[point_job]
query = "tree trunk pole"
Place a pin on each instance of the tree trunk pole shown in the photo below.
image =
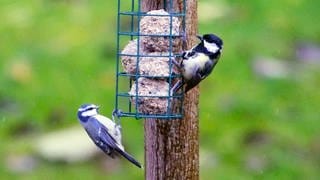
(172, 146)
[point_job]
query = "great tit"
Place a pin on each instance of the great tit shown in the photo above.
(198, 62)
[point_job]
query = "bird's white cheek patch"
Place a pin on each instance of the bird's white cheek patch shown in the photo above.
(89, 113)
(211, 47)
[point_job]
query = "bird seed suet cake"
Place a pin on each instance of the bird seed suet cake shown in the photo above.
(154, 62)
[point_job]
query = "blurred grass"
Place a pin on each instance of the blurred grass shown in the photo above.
(56, 55)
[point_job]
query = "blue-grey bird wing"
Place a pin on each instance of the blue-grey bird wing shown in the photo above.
(106, 142)
(101, 137)
(111, 143)
(99, 134)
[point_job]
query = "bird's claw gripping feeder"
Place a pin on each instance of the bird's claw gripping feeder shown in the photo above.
(147, 44)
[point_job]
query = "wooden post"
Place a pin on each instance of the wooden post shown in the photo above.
(172, 146)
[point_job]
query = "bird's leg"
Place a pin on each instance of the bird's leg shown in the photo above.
(176, 87)
(118, 127)
(173, 60)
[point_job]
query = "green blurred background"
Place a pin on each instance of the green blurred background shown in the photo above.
(254, 123)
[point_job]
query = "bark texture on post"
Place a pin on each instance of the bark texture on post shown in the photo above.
(172, 146)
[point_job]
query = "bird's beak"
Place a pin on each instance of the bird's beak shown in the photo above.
(97, 107)
(199, 37)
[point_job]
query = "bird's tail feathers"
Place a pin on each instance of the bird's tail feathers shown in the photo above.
(130, 158)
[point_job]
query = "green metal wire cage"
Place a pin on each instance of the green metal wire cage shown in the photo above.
(147, 42)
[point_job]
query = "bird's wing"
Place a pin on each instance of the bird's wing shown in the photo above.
(101, 136)
(200, 74)
(194, 80)
(106, 138)
(108, 144)
(102, 145)
(208, 67)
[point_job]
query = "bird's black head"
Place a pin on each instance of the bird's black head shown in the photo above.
(211, 38)
(210, 44)
(86, 111)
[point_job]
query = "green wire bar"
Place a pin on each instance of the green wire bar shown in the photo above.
(147, 44)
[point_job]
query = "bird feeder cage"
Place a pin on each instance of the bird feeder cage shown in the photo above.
(147, 44)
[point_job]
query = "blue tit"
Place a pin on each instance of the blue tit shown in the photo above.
(103, 132)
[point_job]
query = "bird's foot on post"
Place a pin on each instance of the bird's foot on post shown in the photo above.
(176, 87)
(173, 60)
